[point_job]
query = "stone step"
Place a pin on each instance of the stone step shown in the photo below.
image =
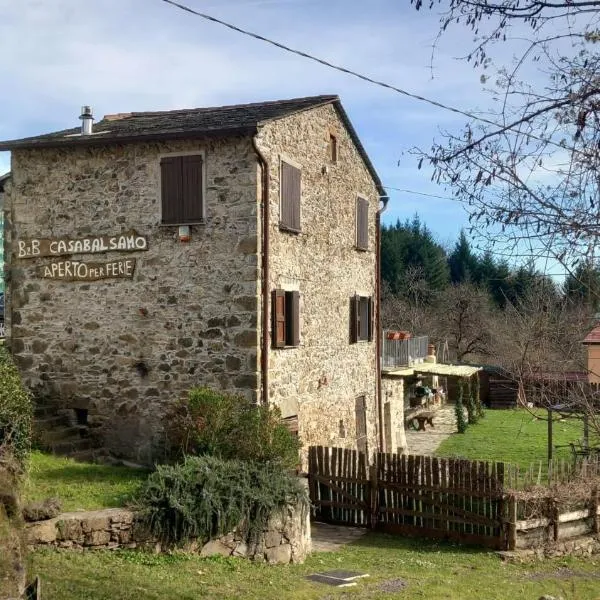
(68, 447)
(46, 423)
(41, 411)
(59, 434)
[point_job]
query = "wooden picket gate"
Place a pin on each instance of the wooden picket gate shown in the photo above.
(411, 495)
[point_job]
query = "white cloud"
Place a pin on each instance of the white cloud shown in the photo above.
(123, 55)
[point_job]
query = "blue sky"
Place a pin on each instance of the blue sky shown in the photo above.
(133, 55)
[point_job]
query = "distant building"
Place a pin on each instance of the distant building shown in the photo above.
(234, 247)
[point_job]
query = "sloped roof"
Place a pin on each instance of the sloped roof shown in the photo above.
(239, 119)
(593, 337)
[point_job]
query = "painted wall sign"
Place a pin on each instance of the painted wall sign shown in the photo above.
(128, 242)
(71, 270)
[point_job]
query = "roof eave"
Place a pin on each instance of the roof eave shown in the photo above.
(103, 140)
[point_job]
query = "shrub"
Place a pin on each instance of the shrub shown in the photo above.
(232, 427)
(15, 411)
(205, 496)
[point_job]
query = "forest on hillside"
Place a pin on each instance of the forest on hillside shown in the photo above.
(482, 309)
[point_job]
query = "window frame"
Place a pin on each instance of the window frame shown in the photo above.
(202, 154)
(357, 241)
(333, 148)
(284, 226)
(362, 308)
(290, 319)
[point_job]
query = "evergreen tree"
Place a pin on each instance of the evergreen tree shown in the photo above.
(462, 261)
(583, 285)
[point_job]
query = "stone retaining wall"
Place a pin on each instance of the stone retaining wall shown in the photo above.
(286, 538)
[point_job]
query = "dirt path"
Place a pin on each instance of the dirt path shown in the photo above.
(426, 442)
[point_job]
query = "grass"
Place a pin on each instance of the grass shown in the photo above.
(79, 486)
(431, 571)
(512, 436)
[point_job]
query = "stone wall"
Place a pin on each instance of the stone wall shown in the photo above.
(392, 392)
(320, 380)
(286, 539)
(126, 348)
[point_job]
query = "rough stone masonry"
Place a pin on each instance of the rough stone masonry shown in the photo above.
(172, 315)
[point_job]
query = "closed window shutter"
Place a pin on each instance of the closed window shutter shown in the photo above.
(363, 332)
(371, 319)
(278, 311)
(295, 319)
(192, 189)
(362, 224)
(354, 319)
(361, 423)
(171, 188)
(290, 197)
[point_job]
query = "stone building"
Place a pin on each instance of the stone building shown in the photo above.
(232, 247)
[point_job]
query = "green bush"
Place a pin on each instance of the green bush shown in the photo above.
(232, 427)
(15, 411)
(205, 496)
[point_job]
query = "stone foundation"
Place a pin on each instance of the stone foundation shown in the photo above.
(286, 538)
(584, 546)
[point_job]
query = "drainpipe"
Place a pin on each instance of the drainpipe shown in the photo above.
(264, 355)
(384, 200)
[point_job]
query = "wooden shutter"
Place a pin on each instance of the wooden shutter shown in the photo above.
(294, 322)
(363, 329)
(371, 319)
(360, 409)
(333, 152)
(290, 197)
(278, 313)
(191, 175)
(362, 224)
(171, 189)
(354, 319)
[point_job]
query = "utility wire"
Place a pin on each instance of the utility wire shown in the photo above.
(356, 74)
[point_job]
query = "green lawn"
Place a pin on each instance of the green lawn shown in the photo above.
(512, 436)
(79, 485)
(431, 571)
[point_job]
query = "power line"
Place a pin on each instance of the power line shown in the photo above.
(355, 73)
(387, 187)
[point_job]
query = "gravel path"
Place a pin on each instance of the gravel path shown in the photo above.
(426, 442)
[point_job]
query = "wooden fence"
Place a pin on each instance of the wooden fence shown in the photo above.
(411, 495)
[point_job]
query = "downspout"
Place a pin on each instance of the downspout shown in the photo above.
(264, 355)
(384, 200)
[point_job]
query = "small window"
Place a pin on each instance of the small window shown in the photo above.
(286, 319)
(362, 224)
(333, 148)
(181, 189)
(290, 197)
(361, 319)
(360, 410)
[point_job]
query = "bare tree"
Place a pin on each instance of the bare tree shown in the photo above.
(528, 168)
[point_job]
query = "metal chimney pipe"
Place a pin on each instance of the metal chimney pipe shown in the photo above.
(86, 120)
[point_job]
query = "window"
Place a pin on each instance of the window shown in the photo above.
(333, 149)
(286, 319)
(361, 319)
(360, 411)
(362, 224)
(181, 189)
(290, 197)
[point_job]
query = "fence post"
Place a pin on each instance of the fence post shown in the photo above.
(373, 499)
(511, 540)
(594, 511)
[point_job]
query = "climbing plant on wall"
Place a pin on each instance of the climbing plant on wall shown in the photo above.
(461, 422)
(478, 405)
